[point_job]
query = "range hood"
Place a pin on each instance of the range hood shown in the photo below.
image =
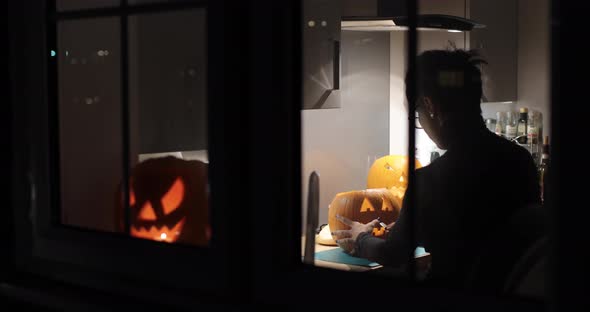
(391, 15)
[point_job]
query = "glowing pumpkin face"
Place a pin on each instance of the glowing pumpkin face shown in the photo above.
(364, 206)
(168, 201)
(148, 213)
(389, 172)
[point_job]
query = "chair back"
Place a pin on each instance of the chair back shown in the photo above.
(499, 265)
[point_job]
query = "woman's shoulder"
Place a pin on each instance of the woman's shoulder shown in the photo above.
(502, 147)
(437, 165)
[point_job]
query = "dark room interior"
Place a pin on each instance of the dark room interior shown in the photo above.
(189, 155)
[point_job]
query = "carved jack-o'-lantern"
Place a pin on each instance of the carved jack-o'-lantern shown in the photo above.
(390, 171)
(168, 201)
(364, 206)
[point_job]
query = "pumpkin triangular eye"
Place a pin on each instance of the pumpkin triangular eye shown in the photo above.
(386, 205)
(173, 198)
(147, 212)
(367, 206)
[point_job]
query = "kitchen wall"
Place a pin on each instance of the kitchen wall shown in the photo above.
(337, 143)
(533, 62)
(398, 113)
(533, 57)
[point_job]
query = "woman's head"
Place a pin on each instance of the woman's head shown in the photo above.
(448, 84)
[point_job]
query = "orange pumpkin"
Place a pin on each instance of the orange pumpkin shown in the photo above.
(168, 201)
(390, 171)
(364, 206)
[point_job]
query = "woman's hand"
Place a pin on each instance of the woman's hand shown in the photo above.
(347, 238)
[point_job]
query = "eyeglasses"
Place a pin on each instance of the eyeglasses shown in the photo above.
(417, 125)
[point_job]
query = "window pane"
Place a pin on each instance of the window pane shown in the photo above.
(90, 141)
(168, 126)
(168, 198)
(349, 146)
(65, 5)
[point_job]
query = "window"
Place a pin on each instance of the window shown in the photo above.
(119, 160)
(365, 151)
(162, 126)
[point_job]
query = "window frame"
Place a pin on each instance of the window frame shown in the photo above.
(113, 261)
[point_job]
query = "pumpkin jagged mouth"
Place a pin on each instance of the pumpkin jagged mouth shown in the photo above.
(163, 234)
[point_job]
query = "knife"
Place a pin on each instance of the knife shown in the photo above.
(313, 203)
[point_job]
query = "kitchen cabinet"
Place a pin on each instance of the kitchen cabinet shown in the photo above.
(321, 54)
(428, 40)
(497, 43)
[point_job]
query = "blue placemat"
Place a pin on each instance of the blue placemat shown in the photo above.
(339, 256)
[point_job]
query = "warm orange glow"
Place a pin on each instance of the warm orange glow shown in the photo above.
(379, 232)
(389, 171)
(147, 212)
(367, 206)
(386, 206)
(168, 200)
(173, 198)
(131, 198)
(364, 206)
(398, 192)
(163, 234)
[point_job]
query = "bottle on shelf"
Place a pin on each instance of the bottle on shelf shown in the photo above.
(543, 168)
(500, 123)
(521, 126)
(534, 128)
(511, 121)
(491, 124)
